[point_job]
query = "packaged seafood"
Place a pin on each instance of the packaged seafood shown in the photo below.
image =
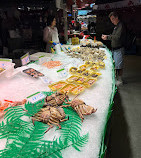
(94, 68)
(102, 65)
(79, 72)
(56, 86)
(88, 63)
(73, 70)
(86, 73)
(94, 63)
(72, 78)
(81, 79)
(67, 88)
(83, 67)
(33, 73)
(95, 74)
(52, 64)
(78, 89)
(90, 82)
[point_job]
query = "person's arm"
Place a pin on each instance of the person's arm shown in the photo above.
(57, 34)
(117, 34)
(46, 37)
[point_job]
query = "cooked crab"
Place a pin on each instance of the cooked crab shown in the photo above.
(80, 107)
(56, 99)
(50, 115)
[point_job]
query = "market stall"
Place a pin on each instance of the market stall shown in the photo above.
(21, 137)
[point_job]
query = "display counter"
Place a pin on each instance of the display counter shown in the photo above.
(92, 129)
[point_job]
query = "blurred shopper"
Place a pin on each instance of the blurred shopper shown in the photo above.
(50, 34)
(117, 38)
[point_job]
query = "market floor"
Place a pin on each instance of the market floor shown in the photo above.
(125, 137)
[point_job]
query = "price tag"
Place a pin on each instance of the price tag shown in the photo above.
(36, 97)
(4, 63)
(5, 60)
(46, 80)
(42, 59)
(62, 73)
(25, 59)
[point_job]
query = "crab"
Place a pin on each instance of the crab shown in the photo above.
(56, 99)
(50, 115)
(80, 107)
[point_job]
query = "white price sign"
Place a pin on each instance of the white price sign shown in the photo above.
(36, 97)
(45, 79)
(25, 59)
(42, 60)
(62, 73)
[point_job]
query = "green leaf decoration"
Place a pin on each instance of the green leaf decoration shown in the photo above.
(33, 108)
(14, 113)
(51, 150)
(13, 129)
(80, 141)
(71, 127)
(25, 145)
(26, 140)
(114, 90)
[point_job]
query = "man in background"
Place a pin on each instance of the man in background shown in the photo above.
(117, 39)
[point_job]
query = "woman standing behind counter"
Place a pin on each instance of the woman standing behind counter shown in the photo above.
(50, 34)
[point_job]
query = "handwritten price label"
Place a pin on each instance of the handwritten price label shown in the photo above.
(36, 97)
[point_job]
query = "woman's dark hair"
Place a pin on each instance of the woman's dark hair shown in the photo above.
(50, 20)
(115, 14)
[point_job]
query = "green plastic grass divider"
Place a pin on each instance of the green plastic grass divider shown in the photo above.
(114, 89)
